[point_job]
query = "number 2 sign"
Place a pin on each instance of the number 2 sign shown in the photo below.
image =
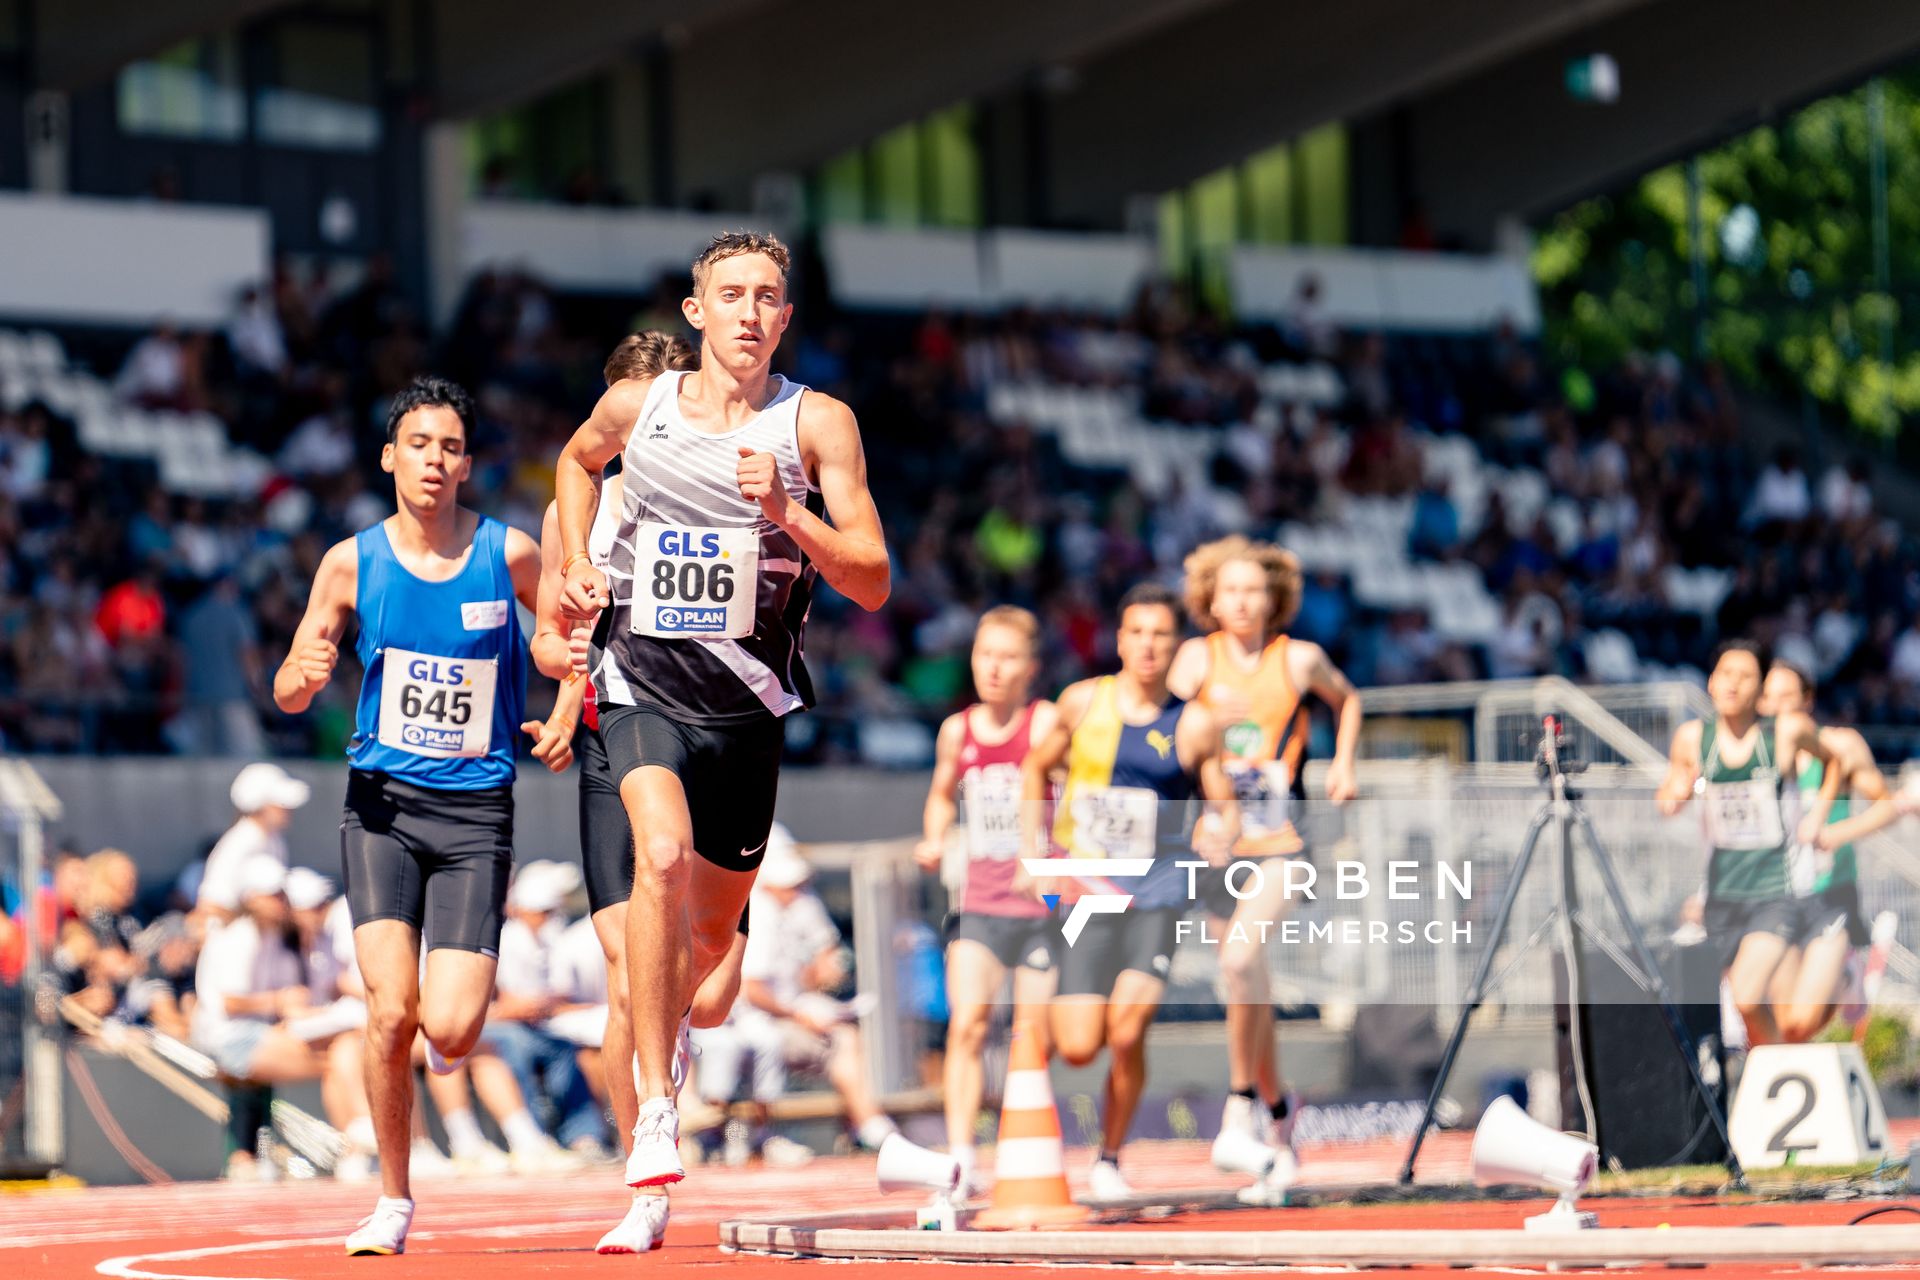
(1807, 1104)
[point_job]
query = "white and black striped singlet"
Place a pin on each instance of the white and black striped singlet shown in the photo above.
(675, 475)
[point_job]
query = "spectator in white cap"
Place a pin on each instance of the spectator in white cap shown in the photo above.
(546, 1065)
(253, 996)
(793, 959)
(265, 796)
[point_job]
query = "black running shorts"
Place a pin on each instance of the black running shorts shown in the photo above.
(1142, 941)
(1024, 942)
(730, 774)
(606, 839)
(439, 860)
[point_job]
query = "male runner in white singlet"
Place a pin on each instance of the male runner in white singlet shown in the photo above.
(699, 612)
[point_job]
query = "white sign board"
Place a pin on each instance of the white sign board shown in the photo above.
(1807, 1104)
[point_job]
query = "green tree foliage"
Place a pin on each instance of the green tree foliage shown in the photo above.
(1787, 222)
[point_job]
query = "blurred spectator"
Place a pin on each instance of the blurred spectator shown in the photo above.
(251, 992)
(793, 960)
(544, 1064)
(259, 347)
(1782, 495)
(265, 796)
(155, 373)
(1846, 493)
(1904, 663)
(224, 673)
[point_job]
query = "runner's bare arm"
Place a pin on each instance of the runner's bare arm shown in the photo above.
(1864, 777)
(1199, 743)
(523, 566)
(1189, 671)
(851, 552)
(576, 490)
(1046, 753)
(1797, 732)
(549, 643)
(316, 641)
(1683, 767)
(1331, 686)
(936, 819)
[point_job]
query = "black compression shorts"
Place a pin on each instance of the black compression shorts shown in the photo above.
(730, 774)
(606, 837)
(1026, 942)
(439, 860)
(1142, 941)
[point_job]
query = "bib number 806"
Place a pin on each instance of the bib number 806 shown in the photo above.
(692, 581)
(447, 707)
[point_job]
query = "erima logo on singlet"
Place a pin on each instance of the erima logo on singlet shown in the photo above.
(1160, 742)
(657, 432)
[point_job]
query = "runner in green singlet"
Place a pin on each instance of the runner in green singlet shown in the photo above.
(1824, 875)
(1751, 813)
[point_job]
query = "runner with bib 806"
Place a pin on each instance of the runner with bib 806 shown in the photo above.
(728, 473)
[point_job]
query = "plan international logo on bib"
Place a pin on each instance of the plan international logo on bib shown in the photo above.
(691, 620)
(420, 735)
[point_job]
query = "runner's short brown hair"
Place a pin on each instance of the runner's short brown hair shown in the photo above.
(1014, 618)
(731, 244)
(648, 354)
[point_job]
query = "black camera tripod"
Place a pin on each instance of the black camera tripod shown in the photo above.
(1563, 809)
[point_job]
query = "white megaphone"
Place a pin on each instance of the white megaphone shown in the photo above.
(905, 1166)
(1512, 1147)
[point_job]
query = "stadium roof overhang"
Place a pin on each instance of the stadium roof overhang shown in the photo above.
(1122, 97)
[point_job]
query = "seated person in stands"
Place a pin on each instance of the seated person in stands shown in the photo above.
(252, 997)
(168, 949)
(746, 1050)
(793, 959)
(545, 1064)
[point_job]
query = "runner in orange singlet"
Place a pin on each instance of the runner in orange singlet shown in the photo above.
(1254, 678)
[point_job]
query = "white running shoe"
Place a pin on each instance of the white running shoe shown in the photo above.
(384, 1231)
(1279, 1133)
(1270, 1190)
(655, 1158)
(1236, 1150)
(439, 1064)
(972, 1184)
(1105, 1185)
(643, 1230)
(785, 1153)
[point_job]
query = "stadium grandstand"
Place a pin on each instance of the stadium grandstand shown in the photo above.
(1102, 283)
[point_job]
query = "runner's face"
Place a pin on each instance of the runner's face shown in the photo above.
(1147, 636)
(428, 458)
(1002, 665)
(1734, 685)
(742, 311)
(1240, 600)
(1782, 694)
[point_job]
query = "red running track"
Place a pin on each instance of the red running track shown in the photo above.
(493, 1228)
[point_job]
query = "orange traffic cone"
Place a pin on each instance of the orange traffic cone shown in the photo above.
(1030, 1186)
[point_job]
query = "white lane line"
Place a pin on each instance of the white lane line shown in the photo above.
(129, 1266)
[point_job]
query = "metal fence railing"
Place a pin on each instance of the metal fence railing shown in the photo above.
(31, 1132)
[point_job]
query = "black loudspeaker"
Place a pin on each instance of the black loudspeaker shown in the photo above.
(1645, 1107)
